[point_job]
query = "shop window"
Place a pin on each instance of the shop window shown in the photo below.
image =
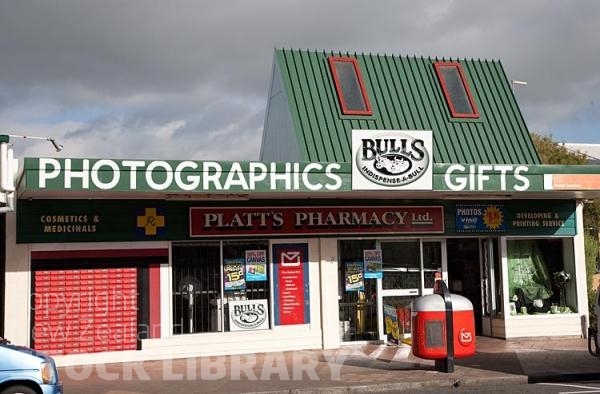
(246, 285)
(456, 90)
(401, 266)
(217, 283)
(349, 85)
(432, 262)
(539, 275)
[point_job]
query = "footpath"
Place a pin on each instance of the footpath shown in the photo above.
(350, 369)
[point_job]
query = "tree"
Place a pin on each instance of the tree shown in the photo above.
(551, 152)
(591, 253)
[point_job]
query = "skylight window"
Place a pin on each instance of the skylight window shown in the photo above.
(349, 85)
(456, 90)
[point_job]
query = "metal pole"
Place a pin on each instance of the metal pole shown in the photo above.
(190, 289)
(447, 364)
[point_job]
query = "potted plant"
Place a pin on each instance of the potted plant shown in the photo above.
(561, 278)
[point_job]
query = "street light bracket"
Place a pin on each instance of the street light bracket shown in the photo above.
(56, 145)
(514, 82)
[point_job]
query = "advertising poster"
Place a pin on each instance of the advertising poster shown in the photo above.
(256, 265)
(480, 218)
(373, 263)
(290, 277)
(354, 276)
(248, 315)
(233, 274)
(391, 324)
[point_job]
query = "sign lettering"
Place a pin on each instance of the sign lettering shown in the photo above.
(315, 220)
(498, 177)
(69, 223)
(192, 176)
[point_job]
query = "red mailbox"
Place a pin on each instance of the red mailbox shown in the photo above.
(429, 327)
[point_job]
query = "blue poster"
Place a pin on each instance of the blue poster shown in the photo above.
(480, 218)
(256, 265)
(373, 263)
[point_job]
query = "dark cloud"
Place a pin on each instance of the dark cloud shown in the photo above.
(175, 79)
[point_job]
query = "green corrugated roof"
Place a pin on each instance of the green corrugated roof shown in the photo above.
(405, 95)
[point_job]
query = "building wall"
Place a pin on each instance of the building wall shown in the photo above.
(321, 332)
(580, 269)
(18, 286)
(329, 293)
(2, 270)
(539, 326)
(278, 338)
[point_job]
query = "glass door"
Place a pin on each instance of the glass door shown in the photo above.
(357, 295)
(408, 272)
(490, 304)
(473, 272)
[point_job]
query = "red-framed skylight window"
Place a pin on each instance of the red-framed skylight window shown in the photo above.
(456, 90)
(350, 86)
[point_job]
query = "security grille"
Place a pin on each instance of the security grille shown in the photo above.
(200, 303)
(196, 287)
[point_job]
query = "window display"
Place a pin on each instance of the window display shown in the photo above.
(538, 275)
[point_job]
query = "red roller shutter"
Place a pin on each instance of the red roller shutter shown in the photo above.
(85, 310)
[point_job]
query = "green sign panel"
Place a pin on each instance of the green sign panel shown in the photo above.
(96, 221)
(523, 217)
(187, 176)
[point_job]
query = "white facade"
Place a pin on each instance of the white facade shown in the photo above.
(323, 330)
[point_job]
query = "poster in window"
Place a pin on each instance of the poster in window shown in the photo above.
(248, 315)
(392, 330)
(290, 284)
(256, 265)
(233, 274)
(373, 263)
(355, 276)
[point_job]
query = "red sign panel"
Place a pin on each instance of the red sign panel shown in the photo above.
(291, 284)
(207, 222)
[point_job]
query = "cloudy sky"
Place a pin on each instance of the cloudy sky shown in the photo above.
(188, 79)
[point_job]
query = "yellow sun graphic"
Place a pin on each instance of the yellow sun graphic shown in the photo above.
(492, 217)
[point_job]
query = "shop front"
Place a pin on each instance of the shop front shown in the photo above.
(174, 278)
